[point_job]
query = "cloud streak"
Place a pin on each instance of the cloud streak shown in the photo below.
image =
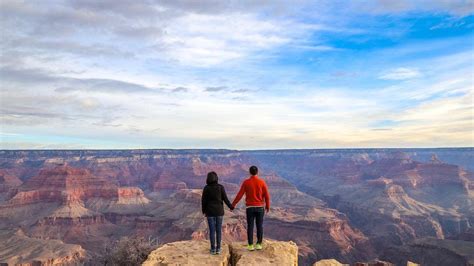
(401, 73)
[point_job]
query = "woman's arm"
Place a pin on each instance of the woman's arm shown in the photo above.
(225, 199)
(204, 200)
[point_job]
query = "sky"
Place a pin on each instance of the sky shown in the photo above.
(118, 74)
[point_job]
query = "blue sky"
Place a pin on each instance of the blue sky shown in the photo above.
(236, 74)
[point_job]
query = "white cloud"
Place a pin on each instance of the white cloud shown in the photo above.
(147, 31)
(401, 73)
(204, 40)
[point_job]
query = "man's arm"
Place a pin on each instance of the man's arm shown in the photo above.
(239, 195)
(266, 196)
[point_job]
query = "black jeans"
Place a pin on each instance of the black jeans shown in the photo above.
(255, 213)
(215, 231)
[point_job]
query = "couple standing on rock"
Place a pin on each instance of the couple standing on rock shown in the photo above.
(257, 200)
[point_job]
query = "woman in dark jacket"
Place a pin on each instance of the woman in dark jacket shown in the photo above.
(213, 195)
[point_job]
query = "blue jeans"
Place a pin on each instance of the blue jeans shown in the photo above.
(215, 231)
(255, 214)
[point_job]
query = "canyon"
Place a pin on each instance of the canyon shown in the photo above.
(350, 205)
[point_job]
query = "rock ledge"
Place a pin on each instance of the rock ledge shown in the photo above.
(196, 252)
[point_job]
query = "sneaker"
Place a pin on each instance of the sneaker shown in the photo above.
(250, 248)
(212, 252)
(258, 246)
(219, 251)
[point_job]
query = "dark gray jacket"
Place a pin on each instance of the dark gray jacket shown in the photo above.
(213, 195)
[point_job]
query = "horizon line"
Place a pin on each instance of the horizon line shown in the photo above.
(227, 149)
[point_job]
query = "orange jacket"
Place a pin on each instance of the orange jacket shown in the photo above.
(256, 192)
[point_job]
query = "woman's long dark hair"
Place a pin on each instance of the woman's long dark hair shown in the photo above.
(212, 178)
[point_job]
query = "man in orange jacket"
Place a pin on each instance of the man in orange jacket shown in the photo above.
(256, 199)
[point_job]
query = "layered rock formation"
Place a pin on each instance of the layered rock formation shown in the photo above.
(70, 204)
(350, 205)
(69, 195)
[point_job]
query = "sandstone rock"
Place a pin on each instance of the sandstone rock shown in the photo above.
(409, 263)
(329, 262)
(131, 195)
(187, 253)
(196, 252)
(273, 253)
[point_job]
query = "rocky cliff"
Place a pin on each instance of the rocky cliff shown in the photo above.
(197, 253)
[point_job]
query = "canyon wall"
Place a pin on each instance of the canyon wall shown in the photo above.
(350, 205)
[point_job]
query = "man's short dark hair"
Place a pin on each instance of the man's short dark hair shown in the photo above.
(212, 178)
(253, 170)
